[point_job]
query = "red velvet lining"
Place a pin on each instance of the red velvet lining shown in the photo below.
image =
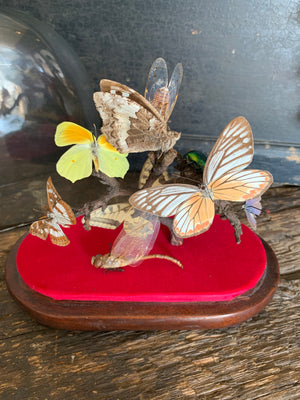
(215, 267)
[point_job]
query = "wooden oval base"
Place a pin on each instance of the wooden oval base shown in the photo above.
(116, 315)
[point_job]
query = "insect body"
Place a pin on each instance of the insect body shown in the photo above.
(160, 92)
(195, 159)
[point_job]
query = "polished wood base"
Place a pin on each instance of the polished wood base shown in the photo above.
(115, 315)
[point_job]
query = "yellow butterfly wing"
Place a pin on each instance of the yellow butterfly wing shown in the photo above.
(111, 162)
(76, 163)
(68, 133)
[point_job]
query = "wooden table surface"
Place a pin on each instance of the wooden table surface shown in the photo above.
(259, 359)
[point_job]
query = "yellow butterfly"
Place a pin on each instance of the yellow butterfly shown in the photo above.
(77, 162)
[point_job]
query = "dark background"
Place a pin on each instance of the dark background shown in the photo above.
(239, 58)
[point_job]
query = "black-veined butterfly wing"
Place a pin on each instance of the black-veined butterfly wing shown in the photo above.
(240, 186)
(232, 152)
(193, 210)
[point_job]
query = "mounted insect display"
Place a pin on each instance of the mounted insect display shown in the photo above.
(187, 217)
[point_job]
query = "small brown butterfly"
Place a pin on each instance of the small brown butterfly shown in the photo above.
(60, 213)
(133, 124)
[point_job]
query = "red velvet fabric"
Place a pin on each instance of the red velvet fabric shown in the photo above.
(216, 268)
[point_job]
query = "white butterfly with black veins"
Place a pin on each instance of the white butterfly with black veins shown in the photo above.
(60, 213)
(132, 123)
(224, 178)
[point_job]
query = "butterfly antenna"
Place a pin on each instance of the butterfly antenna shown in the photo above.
(95, 130)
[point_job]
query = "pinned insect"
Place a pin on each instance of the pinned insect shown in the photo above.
(224, 178)
(133, 123)
(195, 159)
(60, 213)
(133, 243)
(191, 165)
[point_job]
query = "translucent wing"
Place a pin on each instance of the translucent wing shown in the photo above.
(174, 86)
(136, 239)
(157, 78)
(162, 95)
(232, 152)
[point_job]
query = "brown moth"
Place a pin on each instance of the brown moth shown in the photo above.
(60, 213)
(130, 122)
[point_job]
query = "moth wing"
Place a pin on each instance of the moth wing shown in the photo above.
(76, 163)
(111, 162)
(68, 133)
(241, 186)
(157, 78)
(232, 152)
(57, 235)
(111, 217)
(116, 88)
(164, 200)
(40, 229)
(194, 216)
(129, 127)
(173, 87)
(130, 122)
